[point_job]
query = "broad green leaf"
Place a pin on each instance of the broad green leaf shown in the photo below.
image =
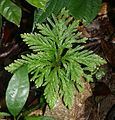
(10, 11)
(84, 9)
(38, 3)
(53, 6)
(17, 91)
(39, 118)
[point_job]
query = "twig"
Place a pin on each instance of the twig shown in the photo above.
(6, 53)
(92, 44)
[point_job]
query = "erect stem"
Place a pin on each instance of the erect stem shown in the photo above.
(14, 118)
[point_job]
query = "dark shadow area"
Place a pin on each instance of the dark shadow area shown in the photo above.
(111, 113)
(102, 101)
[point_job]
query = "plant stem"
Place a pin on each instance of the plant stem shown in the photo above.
(14, 118)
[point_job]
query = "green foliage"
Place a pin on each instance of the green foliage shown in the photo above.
(10, 11)
(84, 9)
(101, 72)
(53, 6)
(38, 3)
(80, 9)
(13, 13)
(2, 114)
(17, 91)
(54, 62)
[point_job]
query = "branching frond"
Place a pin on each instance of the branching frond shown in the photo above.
(54, 63)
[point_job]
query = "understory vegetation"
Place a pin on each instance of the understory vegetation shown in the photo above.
(56, 60)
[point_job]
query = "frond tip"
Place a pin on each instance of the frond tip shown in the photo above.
(54, 63)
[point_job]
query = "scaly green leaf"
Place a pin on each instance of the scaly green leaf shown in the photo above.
(17, 91)
(10, 11)
(54, 63)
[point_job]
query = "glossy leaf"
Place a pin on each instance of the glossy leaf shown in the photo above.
(53, 6)
(17, 91)
(10, 11)
(39, 118)
(80, 9)
(38, 3)
(84, 9)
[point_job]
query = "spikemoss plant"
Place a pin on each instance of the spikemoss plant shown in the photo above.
(55, 63)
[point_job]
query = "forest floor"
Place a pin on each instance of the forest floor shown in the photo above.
(97, 102)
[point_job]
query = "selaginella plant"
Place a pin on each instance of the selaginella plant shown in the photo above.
(55, 63)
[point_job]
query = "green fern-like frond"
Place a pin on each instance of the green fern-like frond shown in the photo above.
(54, 63)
